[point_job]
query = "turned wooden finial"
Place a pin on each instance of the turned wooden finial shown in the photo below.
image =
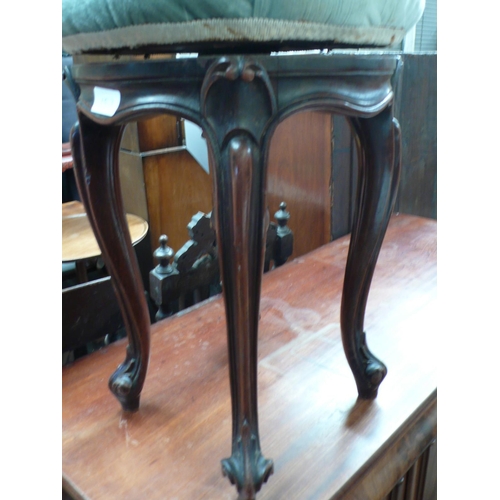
(163, 254)
(283, 246)
(282, 216)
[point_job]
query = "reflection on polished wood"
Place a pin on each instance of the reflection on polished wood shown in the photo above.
(67, 158)
(78, 240)
(300, 172)
(325, 443)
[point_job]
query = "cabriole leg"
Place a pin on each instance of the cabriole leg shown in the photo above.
(378, 141)
(95, 148)
(240, 243)
(237, 102)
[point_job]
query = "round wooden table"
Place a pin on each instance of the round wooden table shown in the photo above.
(78, 240)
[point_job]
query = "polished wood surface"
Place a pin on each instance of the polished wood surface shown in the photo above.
(96, 150)
(72, 208)
(300, 172)
(90, 312)
(132, 175)
(158, 132)
(67, 158)
(416, 110)
(78, 240)
(176, 186)
(326, 443)
(239, 100)
(379, 159)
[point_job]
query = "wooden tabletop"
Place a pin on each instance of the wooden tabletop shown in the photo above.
(78, 240)
(67, 157)
(324, 442)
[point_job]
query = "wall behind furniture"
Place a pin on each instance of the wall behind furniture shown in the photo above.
(416, 110)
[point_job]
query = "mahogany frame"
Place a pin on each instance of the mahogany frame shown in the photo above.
(238, 101)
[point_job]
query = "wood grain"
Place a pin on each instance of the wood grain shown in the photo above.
(78, 240)
(299, 173)
(72, 208)
(67, 158)
(323, 441)
(132, 174)
(176, 189)
(418, 117)
(158, 132)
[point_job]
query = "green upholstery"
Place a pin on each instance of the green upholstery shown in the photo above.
(91, 25)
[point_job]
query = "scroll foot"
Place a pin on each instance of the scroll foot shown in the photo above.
(247, 468)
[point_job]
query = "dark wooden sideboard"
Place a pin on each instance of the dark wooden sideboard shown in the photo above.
(326, 444)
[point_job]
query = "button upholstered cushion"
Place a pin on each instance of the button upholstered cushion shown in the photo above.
(95, 25)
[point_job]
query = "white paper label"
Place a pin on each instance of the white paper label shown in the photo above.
(196, 144)
(106, 101)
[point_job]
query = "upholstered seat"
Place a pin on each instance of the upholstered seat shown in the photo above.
(96, 25)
